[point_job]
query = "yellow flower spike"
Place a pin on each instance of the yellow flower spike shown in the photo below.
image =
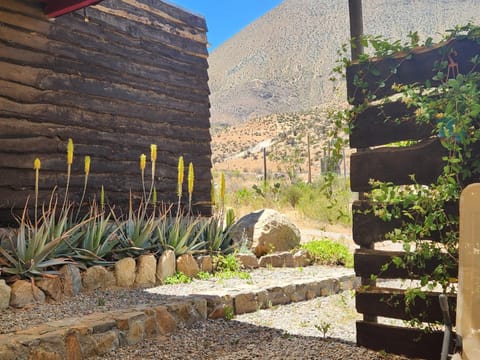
(70, 152)
(191, 178)
(154, 197)
(37, 164)
(212, 192)
(87, 164)
(102, 198)
(181, 170)
(153, 152)
(222, 189)
(143, 161)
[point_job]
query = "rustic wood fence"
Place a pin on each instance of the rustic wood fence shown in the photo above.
(377, 126)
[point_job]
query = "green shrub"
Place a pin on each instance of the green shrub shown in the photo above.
(178, 278)
(328, 252)
(228, 267)
(226, 263)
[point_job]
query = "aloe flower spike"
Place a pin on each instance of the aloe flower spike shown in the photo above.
(36, 166)
(69, 169)
(87, 172)
(191, 180)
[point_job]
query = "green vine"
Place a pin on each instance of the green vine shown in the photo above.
(451, 107)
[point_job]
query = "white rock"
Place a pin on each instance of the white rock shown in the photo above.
(5, 293)
(166, 266)
(125, 272)
(146, 270)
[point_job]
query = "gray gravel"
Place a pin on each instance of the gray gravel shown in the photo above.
(283, 332)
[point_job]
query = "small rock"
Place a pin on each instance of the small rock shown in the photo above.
(288, 260)
(97, 277)
(271, 260)
(71, 279)
(187, 265)
(25, 293)
(166, 266)
(146, 270)
(245, 303)
(301, 258)
(205, 263)
(52, 287)
(125, 272)
(218, 312)
(248, 261)
(5, 293)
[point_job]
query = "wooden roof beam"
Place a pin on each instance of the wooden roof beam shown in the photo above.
(55, 8)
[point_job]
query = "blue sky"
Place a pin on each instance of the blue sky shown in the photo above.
(227, 17)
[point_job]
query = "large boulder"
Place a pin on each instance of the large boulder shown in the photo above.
(266, 231)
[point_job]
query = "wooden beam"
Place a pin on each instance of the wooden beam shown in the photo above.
(416, 66)
(390, 303)
(411, 342)
(56, 8)
(389, 123)
(369, 262)
(397, 164)
(368, 229)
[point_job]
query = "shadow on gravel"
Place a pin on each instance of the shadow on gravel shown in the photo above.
(228, 340)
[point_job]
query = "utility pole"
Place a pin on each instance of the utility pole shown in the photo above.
(309, 160)
(265, 166)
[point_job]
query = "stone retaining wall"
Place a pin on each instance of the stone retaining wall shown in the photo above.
(99, 333)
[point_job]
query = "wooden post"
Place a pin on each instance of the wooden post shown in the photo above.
(265, 165)
(356, 32)
(356, 27)
(309, 160)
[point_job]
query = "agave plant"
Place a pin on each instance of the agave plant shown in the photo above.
(98, 239)
(136, 235)
(216, 233)
(182, 234)
(32, 251)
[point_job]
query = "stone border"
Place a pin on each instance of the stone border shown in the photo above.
(99, 333)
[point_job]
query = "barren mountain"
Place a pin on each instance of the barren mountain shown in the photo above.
(282, 62)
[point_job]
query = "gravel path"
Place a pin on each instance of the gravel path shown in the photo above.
(283, 332)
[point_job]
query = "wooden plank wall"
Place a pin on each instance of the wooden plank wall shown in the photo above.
(373, 129)
(131, 74)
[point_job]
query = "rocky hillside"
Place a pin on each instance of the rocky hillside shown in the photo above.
(239, 148)
(281, 63)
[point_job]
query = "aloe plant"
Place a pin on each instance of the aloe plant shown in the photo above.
(136, 234)
(182, 234)
(32, 250)
(216, 233)
(98, 239)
